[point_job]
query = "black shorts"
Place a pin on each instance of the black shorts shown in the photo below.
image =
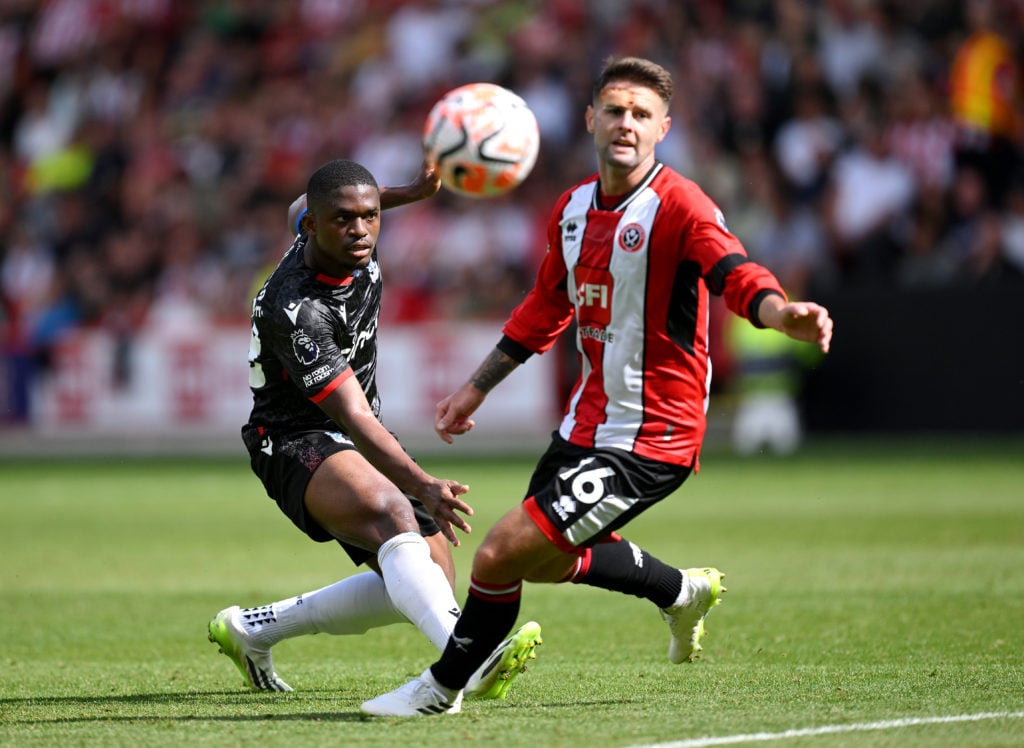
(579, 497)
(284, 463)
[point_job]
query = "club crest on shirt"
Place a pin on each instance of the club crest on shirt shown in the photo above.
(304, 347)
(632, 237)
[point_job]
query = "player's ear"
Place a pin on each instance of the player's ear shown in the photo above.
(589, 116)
(308, 222)
(665, 124)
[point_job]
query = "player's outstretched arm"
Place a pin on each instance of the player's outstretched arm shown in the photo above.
(295, 212)
(347, 406)
(800, 320)
(426, 184)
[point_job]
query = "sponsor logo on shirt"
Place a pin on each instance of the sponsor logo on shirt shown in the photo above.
(598, 334)
(593, 296)
(365, 336)
(316, 376)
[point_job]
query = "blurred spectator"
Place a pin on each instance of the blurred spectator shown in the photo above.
(851, 45)
(766, 380)
(1013, 225)
(927, 261)
(921, 134)
(869, 192)
(966, 216)
(986, 98)
(973, 237)
(786, 236)
(806, 145)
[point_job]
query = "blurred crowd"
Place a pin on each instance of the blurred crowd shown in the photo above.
(149, 149)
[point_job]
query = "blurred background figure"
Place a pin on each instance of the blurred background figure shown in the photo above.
(985, 96)
(767, 375)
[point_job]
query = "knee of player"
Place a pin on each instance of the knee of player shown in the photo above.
(494, 561)
(389, 515)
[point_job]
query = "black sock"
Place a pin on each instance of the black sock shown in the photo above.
(624, 567)
(488, 616)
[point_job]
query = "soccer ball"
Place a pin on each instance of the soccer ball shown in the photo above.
(484, 139)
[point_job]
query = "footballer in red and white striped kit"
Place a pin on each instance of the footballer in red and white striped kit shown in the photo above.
(633, 253)
(635, 270)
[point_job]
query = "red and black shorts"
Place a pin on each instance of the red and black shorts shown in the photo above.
(579, 497)
(284, 463)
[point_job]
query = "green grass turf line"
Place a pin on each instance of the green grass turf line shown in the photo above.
(866, 582)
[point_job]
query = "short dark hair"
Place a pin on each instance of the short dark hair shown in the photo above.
(635, 70)
(335, 174)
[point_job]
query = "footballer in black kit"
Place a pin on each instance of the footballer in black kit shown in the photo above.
(310, 332)
(307, 328)
(316, 441)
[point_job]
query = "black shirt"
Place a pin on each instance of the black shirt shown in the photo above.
(310, 332)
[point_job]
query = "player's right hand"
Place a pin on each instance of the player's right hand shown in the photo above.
(452, 415)
(428, 181)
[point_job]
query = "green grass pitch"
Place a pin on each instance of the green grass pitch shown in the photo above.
(868, 583)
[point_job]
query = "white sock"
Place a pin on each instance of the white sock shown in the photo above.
(418, 587)
(351, 606)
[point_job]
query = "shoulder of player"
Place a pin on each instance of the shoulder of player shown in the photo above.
(670, 180)
(584, 184)
(291, 305)
(685, 194)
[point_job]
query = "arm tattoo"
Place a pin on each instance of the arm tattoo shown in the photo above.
(495, 367)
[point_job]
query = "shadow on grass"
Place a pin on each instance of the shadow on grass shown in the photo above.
(114, 706)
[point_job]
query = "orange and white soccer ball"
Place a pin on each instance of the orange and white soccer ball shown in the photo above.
(484, 138)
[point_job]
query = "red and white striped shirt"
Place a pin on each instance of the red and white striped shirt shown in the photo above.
(637, 276)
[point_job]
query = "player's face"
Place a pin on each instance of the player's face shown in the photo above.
(627, 121)
(344, 229)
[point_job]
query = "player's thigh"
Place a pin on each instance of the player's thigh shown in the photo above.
(357, 504)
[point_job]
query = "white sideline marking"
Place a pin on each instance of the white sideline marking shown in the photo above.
(763, 737)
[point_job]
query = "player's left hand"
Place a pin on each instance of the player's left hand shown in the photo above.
(443, 502)
(807, 321)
